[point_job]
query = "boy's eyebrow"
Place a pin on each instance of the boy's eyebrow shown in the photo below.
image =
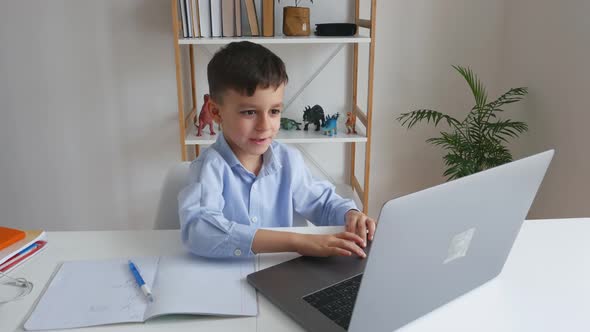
(246, 105)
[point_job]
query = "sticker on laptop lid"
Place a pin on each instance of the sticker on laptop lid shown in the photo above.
(459, 245)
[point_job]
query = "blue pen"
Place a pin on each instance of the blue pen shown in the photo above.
(144, 288)
(16, 256)
(27, 249)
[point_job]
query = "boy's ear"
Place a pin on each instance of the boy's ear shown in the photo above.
(214, 108)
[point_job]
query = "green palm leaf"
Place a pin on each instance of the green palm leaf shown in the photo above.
(505, 129)
(411, 118)
(512, 96)
(475, 143)
(477, 88)
(449, 140)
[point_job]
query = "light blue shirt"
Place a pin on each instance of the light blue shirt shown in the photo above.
(224, 204)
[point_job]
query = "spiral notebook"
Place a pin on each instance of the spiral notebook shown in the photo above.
(99, 292)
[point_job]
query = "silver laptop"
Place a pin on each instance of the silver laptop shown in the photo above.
(430, 247)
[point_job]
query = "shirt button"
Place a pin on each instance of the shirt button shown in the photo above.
(237, 252)
(254, 219)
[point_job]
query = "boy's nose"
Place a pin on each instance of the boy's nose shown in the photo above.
(263, 123)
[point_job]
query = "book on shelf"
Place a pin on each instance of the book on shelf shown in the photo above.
(258, 10)
(22, 250)
(183, 17)
(189, 18)
(195, 18)
(244, 18)
(268, 18)
(252, 17)
(238, 16)
(228, 18)
(216, 29)
(204, 17)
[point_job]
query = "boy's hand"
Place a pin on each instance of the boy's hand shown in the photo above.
(359, 223)
(340, 244)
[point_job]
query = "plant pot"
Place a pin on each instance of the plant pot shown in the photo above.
(296, 21)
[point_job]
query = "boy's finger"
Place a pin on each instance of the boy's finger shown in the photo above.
(351, 225)
(335, 251)
(351, 236)
(351, 246)
(362, 231)
(372, 225)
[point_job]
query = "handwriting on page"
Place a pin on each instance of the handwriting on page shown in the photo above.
(93, 293)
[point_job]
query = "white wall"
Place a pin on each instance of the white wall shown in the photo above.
(88, 121)
(547, 47)
(87, 112)
(88, 108)
(417, 42)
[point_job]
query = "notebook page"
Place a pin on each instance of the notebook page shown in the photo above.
(88, 293)
(187, 284)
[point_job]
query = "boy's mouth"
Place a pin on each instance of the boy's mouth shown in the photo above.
(259, 140)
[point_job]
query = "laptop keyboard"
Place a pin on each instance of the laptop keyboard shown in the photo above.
(337, 301)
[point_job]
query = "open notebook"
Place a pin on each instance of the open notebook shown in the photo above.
(98, 292)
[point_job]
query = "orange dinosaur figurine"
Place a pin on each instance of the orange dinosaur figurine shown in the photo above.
(205, 117)
(350, 123)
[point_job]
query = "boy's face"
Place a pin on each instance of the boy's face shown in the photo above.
(250, 123)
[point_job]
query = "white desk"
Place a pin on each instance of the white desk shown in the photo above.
(545, 285)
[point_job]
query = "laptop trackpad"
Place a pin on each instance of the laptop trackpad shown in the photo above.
(303, 275)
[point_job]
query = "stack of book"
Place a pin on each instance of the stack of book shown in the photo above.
(18, 246)
(226, 18)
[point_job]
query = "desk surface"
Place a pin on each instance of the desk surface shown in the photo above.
(543, 287)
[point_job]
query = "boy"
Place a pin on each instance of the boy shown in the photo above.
(245, 181)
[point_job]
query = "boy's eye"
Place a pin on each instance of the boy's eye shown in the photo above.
(276, 111)
(248, 112)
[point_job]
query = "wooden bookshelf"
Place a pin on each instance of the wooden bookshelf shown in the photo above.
(186, 111)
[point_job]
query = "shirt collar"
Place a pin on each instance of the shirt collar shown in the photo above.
(270, 163)
(225, 151)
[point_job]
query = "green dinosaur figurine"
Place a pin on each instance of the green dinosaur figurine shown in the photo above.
(289, 124)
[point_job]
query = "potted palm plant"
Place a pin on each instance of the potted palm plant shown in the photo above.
(477, 142)
(296, 20)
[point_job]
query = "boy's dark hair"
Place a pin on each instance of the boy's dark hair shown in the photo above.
(244, 66)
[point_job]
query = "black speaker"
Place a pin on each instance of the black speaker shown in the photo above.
(335, 29)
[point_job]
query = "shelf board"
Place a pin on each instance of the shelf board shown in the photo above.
(277, 40)
(284, 136)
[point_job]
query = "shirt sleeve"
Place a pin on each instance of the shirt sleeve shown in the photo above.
(204, 229)
(317, 200)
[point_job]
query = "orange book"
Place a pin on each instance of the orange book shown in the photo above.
(9, 236)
